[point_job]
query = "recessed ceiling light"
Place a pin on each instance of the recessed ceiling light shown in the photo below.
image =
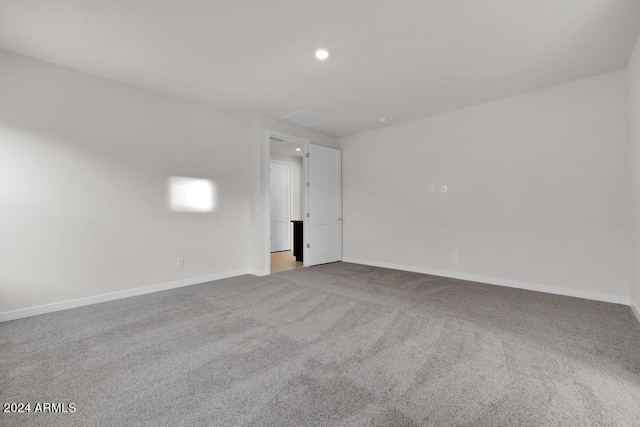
(382, 120)
(322, 53)
(298, 149)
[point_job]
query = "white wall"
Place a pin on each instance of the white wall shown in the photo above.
(296, 182)
(83, 170)
(633, 73)
(538, 189)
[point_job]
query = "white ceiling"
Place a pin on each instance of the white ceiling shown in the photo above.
(286, 147)
(401, 59)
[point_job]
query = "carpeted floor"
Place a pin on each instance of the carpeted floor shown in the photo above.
(339, 344)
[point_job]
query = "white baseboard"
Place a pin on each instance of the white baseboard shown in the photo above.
(64, 305)
(635, 309)
(616, 299)
(257, 272)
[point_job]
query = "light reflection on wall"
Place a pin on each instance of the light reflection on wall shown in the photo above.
(192, 194)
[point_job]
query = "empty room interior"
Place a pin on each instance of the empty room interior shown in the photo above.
(336, 213)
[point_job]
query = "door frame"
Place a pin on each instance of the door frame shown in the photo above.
(289, 165)
(268, 134)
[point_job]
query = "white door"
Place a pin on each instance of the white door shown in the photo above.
(324, 207)
(280, 206)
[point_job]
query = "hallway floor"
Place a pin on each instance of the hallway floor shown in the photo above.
(283, 261)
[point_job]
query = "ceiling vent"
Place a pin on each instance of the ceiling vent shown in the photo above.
(304, 119)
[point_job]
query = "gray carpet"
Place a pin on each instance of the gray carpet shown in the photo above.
(338, 344)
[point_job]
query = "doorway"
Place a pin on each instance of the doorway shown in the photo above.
(317, 235)
(286, 172)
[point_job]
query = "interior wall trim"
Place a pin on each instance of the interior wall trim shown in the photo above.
(80, 302)
(596, 296)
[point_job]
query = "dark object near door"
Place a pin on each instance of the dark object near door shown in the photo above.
(298, 251)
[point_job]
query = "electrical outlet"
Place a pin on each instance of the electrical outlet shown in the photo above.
(454, 256)
(444, 189)
(180, 262)
(432, 189)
